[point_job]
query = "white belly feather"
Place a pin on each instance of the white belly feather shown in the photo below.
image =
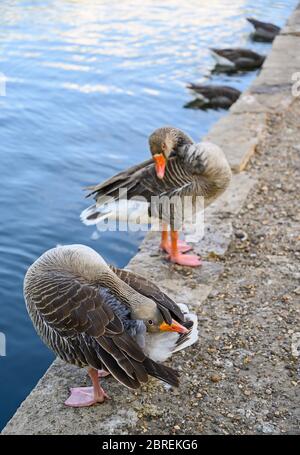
(160, 346)
(130, 211)
(222, 61)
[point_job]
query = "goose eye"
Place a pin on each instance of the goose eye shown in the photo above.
(150, 322)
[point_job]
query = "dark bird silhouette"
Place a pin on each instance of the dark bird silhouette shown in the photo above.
(105, 319)
(231, 60)
(213, 96)
(179, 168)
(264, 31)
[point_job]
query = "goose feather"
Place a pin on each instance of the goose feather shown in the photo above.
(83, 310)
(192, 170)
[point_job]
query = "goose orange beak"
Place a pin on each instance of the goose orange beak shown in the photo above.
(160, 165)
(173, 327)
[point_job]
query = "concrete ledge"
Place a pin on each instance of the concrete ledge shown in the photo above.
(43, 412)
(272, 89)
(238, 135)
(293, 24)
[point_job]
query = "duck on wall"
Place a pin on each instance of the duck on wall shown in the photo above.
(211, 96)
(236, 59)
(264, 31)
(107, 320)
(178, 168)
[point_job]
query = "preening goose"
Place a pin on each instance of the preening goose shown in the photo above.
(103, 318)
(237, 59)
(179, 171)
(264, 31)
(213, 96)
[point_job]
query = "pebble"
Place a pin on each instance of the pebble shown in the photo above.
(250, 318)
(267, 428)
(241, 235)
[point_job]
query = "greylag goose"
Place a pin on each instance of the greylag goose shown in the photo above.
(100, 317)
(237, 59)
(264, 31)
(214, 96)
(179, 170)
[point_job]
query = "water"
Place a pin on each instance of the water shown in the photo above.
(86, 84)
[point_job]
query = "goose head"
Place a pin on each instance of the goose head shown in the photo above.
(153, 319)
(163, 143)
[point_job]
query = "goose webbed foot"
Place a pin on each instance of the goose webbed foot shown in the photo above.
(183, 247)
(167, 245)
(84, 396)
(176, 255)
(87, 396)
(185, 259)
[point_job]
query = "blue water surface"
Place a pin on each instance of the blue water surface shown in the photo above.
(86, 82)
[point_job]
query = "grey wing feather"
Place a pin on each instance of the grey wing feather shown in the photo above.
(140, 181)
(82, 328)
(166, 305)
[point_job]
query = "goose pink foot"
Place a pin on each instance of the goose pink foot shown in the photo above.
(84, 396)
(103, 373)
(183, 247)
(186, 259)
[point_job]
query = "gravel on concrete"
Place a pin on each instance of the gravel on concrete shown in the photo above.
(242, 377)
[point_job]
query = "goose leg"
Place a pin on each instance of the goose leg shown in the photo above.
(87, 396)
(165, 244)
(181, 259)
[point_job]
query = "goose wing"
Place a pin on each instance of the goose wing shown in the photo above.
(235, 54)
(80, 314)
(122, 176)
(166, 305)
(140, 181)
(271, 28)
(213, 91)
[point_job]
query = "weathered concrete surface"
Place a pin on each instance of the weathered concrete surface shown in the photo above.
(286, 52)
(231, 202)
(272, 89)
(238, 136)
(43, 411)
(242, 376)
(293, 24)
(263, 99)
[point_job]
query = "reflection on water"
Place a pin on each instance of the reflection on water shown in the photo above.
(87, 81)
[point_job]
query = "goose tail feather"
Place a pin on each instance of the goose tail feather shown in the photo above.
(162, 372)
(220, 59)
(94, 215)
(191, 321)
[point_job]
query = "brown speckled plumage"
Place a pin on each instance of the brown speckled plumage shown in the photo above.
(72, 296)
(192, 170)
